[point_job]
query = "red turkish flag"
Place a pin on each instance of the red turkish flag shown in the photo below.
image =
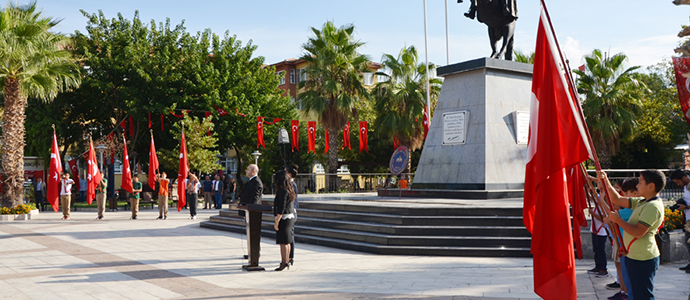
(295, 135)
(327, 139)
(126, 172)
(75, 172)
(94, 176)
(123, 124)
(182, 174)
(131, 127)
(681, 67)
(54, 176)
(578, 200)
(149, 120)
(363, 143)
(346, 136)
(395, 142)
(557, 143)
(162, 127)
(275, 120)
(260, 132)
(425, 121)
(312, 136)
(221, 111)
(206, 115)
(153, 165)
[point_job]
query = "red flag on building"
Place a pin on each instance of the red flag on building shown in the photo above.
(221, 111)
(126, 171)
(681, 67)
(206, 115)
(131, 127)
(153, 165)
(295, 135)
(312, 136)
(363, 143)
(75, 172)
(425, 121)
(557, 143)
(94, 176)
(346, 136)
(54, 176)
(182, 172)
(327, 139)
(260, 132)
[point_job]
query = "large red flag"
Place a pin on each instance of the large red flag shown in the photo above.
(295, 135)
(346, 136)
(681, 67)
(54, 176)
(260, 132)
(557, 143)
(425, 121)
(182, 174)
(576, 186)
(94, 175)
(126, 172)
(312, 136)
(75, 172)
(327, 140)
(153, 165)
(363, 143)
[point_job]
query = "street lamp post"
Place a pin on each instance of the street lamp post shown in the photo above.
(256, 155)
(100, 149)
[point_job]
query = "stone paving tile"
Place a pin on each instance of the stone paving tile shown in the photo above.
(117, 258)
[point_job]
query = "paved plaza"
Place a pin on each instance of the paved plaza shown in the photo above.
(118, 258)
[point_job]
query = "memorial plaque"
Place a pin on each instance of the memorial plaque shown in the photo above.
(455, 127)
(521, 127)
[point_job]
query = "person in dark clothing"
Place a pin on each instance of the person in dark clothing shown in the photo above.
(284, 212)
(253, 189)
(293, 174)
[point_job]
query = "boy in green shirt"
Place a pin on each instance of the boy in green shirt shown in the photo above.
(134, 197)
(642, 257)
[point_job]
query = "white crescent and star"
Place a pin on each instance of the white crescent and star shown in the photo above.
(294, 128)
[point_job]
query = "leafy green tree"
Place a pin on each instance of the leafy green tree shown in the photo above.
(200, 157)
(523, 57)
(660, 125)
(400, 99)
(334, 80)
(611, 105)
(35, 64)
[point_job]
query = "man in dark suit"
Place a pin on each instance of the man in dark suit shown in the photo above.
(253, 189)
(40, 193)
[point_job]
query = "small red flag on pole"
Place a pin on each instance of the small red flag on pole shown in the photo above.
(312, 136)
(182, 172)
(126, 172)
(346, 136)
(153, 164)
(260, 132)
(94, 176)
(54, 175)
(363, 143)
(295, 135)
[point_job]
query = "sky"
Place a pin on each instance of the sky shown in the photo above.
(644, 30)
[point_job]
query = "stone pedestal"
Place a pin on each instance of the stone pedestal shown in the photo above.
(474, 149)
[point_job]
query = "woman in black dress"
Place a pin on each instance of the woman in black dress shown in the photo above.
(284, 211)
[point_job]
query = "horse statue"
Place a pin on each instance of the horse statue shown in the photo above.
(499, 16)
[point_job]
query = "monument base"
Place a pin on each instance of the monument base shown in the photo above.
(249, 268)
(453, 194)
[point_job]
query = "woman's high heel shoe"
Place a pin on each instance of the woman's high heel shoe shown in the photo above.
(283, 266)
(291, 262)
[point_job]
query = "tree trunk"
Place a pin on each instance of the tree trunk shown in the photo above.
(13, 144)
(605, 159)
(333, 159)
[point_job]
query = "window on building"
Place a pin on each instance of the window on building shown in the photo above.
(302, 73)
(292, 76)
(368, 78)
(281, 75)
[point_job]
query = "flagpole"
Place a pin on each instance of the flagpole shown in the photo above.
(426, 53)
(447, 47)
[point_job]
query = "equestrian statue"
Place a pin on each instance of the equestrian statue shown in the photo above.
(499, 16)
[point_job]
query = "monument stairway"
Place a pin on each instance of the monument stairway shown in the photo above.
(400, 229)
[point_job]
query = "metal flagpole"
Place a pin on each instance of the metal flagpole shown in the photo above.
(447, 47)
(426, 53)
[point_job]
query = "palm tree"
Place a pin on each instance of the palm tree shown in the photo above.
(334, 80)
(401, 97)
(524, 58)
(610, 104)
(35, 63)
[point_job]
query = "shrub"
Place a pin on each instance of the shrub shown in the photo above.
(673, 219)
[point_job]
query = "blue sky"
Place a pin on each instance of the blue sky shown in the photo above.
(644, 30)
